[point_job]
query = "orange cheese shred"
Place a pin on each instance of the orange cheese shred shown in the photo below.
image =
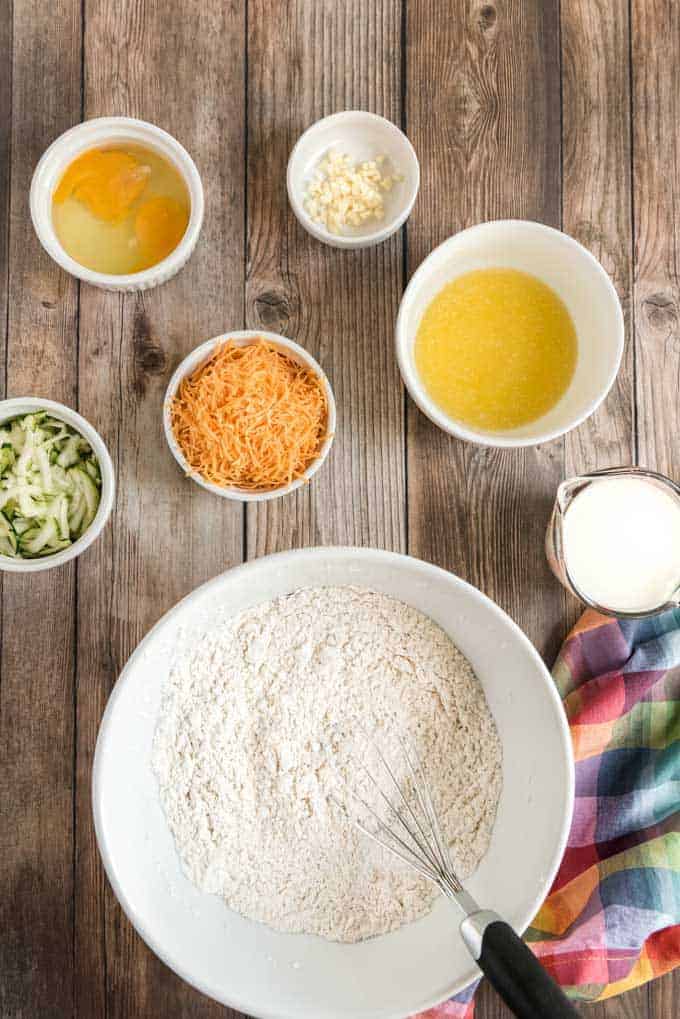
(250, 417)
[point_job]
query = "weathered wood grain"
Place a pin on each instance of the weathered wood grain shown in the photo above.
(596, 203)
(656, 182)
(6, 27)
(596, 196)
(181, 67)
(38, 618)
(597, 210)
(482, 109)
(305, 61)
(477, 86)
(655, 35)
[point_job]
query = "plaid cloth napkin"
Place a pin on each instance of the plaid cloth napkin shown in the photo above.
(612, 918)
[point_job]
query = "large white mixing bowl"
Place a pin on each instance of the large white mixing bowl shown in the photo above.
(275, 976)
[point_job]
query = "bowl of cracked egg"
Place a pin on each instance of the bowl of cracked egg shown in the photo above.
(353, 179)
(117, 203)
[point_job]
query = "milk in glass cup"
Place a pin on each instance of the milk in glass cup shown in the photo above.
(614, 540)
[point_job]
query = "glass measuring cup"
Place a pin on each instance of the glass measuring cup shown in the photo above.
(554, 543)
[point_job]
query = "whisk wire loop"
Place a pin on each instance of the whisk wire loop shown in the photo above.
(389, 832)
(424, 794)
(422, 843)
(412, 831)
(418, 840)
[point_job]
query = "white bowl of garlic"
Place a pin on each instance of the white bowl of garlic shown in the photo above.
(352, 179)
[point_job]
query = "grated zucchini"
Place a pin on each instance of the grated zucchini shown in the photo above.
(50, 486)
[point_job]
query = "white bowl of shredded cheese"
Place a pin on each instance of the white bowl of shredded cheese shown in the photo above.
(242, 338)
(353, 179)
(249, 965)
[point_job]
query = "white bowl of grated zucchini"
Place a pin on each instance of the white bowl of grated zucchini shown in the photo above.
(56, 484)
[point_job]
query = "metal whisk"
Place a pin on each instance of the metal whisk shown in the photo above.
(409, 827)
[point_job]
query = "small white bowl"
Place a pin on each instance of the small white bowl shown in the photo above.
(361, 136)
(29, 405)
(108, 131)
(576, 277)
(242, 338)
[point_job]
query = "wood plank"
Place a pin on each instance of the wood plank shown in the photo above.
(660, 997)
(6, 28)
(655, 34)
(488, 92)
(37, 661)
(656, 166)
(596, 195)
(596, 203)
(483, 111)
(5, 171)
(597, 211)
(489, 60)
(633, 1004)
(182, 68)
(305, 61)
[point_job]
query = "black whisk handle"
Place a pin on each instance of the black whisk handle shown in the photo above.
(513, 969)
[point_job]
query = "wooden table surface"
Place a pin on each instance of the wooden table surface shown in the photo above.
(564, 112)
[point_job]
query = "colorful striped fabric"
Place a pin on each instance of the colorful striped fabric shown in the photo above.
(612, 919)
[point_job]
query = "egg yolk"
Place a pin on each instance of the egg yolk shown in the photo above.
(107, 182)
(159, 225)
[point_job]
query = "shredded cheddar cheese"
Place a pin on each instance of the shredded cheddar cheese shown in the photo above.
(250, 417)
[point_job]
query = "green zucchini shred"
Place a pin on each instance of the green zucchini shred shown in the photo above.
(50, 486)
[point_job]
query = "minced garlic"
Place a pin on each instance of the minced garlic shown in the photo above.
(344, 193)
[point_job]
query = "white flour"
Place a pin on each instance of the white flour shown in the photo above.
(265, 714)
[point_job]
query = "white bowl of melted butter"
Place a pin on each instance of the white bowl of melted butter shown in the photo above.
(68, 230)
(550, 291)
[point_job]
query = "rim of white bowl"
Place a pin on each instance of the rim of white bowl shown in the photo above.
(426, 569)
(19, 405)
(201, 354)
(410, 375)
(367, 240)
(98, 131)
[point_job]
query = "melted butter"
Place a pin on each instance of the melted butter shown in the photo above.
(120, 210)
(496, 349)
